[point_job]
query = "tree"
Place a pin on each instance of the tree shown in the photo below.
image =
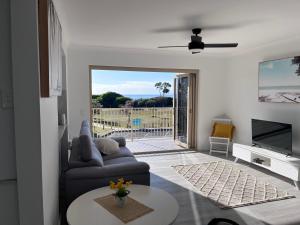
(153, 102)
(166, 88)
(95, 96)
(158, 86)
(296, 61)
(120, 101)
(163, 88)
(111, 100)
(108, 99)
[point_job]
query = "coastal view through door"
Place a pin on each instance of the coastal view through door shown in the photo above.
(140, 106)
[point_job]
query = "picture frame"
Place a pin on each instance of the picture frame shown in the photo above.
(50, 49)
(279, 80)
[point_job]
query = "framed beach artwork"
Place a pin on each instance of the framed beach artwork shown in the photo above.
(279, 80)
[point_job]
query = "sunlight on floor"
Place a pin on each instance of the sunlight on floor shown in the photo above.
(152, 145)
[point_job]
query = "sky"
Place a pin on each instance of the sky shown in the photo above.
(278, 73)
(129, 82)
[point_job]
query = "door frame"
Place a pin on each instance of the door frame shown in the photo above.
(153, 69)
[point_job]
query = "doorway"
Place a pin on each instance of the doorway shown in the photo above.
(147, 128)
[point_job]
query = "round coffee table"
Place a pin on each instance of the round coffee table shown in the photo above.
(84, 210)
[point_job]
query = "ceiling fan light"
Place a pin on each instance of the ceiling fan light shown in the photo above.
(196, 46)
(196, 49)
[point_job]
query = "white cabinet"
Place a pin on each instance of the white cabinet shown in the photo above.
(288, 166)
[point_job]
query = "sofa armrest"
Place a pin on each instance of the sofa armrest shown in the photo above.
(115, 170)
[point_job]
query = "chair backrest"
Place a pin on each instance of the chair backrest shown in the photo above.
(224, 130)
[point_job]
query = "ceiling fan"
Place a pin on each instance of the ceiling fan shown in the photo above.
(196, 44)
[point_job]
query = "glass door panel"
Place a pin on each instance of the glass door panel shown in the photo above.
(181, 109)
(184, 106)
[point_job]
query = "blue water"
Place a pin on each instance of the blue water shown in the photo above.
(134, 97)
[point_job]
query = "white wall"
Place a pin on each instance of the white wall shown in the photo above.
(36, 124)
(27, 111)
(211, 81)
(8, 189)
(50, 159)
(242, 92)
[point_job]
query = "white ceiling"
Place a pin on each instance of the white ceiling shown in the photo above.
(138, 24)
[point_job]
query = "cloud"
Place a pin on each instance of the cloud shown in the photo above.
(128, 87)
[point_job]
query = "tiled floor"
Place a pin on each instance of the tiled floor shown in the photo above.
(152, 145)
(195, 209)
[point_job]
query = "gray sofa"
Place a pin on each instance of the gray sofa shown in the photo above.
(89, 169)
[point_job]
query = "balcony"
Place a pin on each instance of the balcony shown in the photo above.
(146, 129)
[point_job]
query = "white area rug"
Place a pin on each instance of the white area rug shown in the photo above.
(228, 186)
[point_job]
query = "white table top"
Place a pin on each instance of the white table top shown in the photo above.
(84, 210)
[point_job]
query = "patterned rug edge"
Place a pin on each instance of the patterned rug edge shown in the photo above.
(251, 203)
(235, 206)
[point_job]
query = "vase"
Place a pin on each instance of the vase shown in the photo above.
(120, 201)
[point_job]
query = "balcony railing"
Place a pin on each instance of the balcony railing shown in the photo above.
(133, 122)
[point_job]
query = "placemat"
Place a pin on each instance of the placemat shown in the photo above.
(131, 211)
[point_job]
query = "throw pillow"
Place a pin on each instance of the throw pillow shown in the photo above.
(107, 146)
(223, 130)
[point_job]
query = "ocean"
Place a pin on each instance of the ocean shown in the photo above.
(134, 97)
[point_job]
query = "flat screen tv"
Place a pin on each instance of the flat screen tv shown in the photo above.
(272, 135)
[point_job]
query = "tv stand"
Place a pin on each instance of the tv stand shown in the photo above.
(285, 165)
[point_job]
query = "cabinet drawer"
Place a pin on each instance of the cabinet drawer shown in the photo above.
(285, 169)
(241, 153)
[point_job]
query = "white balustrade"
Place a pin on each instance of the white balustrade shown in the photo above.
(133, 122)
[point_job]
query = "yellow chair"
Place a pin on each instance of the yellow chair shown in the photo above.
(221, 137)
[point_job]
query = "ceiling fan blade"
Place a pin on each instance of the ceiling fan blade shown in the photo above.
(172, 29)
(197, 24)
(221, 45)
(195, 52)
(174, 46)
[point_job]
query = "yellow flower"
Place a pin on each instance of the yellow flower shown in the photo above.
(112, 185)
(121, 180)
(119, 184)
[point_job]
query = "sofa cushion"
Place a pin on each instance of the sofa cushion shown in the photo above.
(124, 152)
(75, 160)
(88, 148)
(85, 123)
(107, 146)
(114, 170)
(121, 160)
(120, 140)
(85, 141)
